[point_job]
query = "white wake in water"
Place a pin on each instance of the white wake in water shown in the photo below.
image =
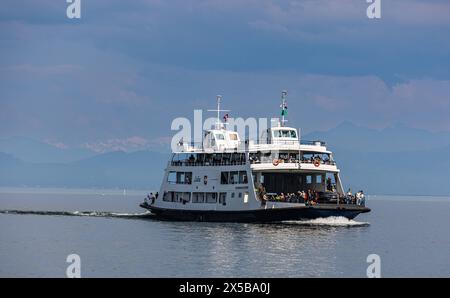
(79, 213)
(334, 221)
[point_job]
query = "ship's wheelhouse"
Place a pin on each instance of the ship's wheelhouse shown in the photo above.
(220, 140)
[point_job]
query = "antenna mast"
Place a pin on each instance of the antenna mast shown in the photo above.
(218, 123)
(219, 98)
(283, 107)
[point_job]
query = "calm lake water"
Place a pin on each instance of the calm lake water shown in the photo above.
(116, 239)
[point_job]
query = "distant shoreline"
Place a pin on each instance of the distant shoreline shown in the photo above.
(120, 191)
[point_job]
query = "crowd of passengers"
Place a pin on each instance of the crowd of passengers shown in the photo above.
(310, 197)
(293, 158)
(325, 159)
(211, 159)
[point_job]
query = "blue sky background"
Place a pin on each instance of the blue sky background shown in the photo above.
(117, 77)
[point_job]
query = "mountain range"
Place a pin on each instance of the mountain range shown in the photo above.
(395, 160)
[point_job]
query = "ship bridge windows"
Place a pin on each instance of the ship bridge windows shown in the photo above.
(179, 177)
(233, 137)
(220, 137)
(285, 133)
(234, 177)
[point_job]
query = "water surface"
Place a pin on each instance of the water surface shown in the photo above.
(115, 238)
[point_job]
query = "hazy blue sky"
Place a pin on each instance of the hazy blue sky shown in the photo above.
(127, 68)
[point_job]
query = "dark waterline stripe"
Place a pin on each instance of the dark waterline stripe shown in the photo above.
(330, 221)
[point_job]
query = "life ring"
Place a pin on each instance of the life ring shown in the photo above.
(317, 162)
(275, 162)
(205, 180)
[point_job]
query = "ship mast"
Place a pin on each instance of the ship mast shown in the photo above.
(283, 107)
(218, 123)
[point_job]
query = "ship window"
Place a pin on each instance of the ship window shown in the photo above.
(319, 179)
(233, 137)
(172, 177)
(308, 179)
(211, 197)
(220, 136)
(198, 197)
(243, 177)
(180, 177)
(224, 177)
(188, 178)
(240, 195)
(186, 197)
(171, 196)
(222, 198)
(234, 177)
(245, 197)
(232, 195)
(166, 196)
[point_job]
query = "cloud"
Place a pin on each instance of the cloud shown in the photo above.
(128, 144)
(329, 103)
(310, 36)
(127, 69)
(59, 145)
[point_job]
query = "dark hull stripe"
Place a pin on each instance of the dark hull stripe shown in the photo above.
(260, 215)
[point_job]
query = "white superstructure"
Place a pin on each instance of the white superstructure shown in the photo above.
(225, 173)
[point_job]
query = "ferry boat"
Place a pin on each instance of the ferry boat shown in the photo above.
(278, 178)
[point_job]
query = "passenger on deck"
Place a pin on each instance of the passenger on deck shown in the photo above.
(262, 194)
(348, 197)
(309, 197)
(329, 184)
(299, 197)
(360, 198)
(151, 198)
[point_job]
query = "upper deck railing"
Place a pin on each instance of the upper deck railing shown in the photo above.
(249, 145)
